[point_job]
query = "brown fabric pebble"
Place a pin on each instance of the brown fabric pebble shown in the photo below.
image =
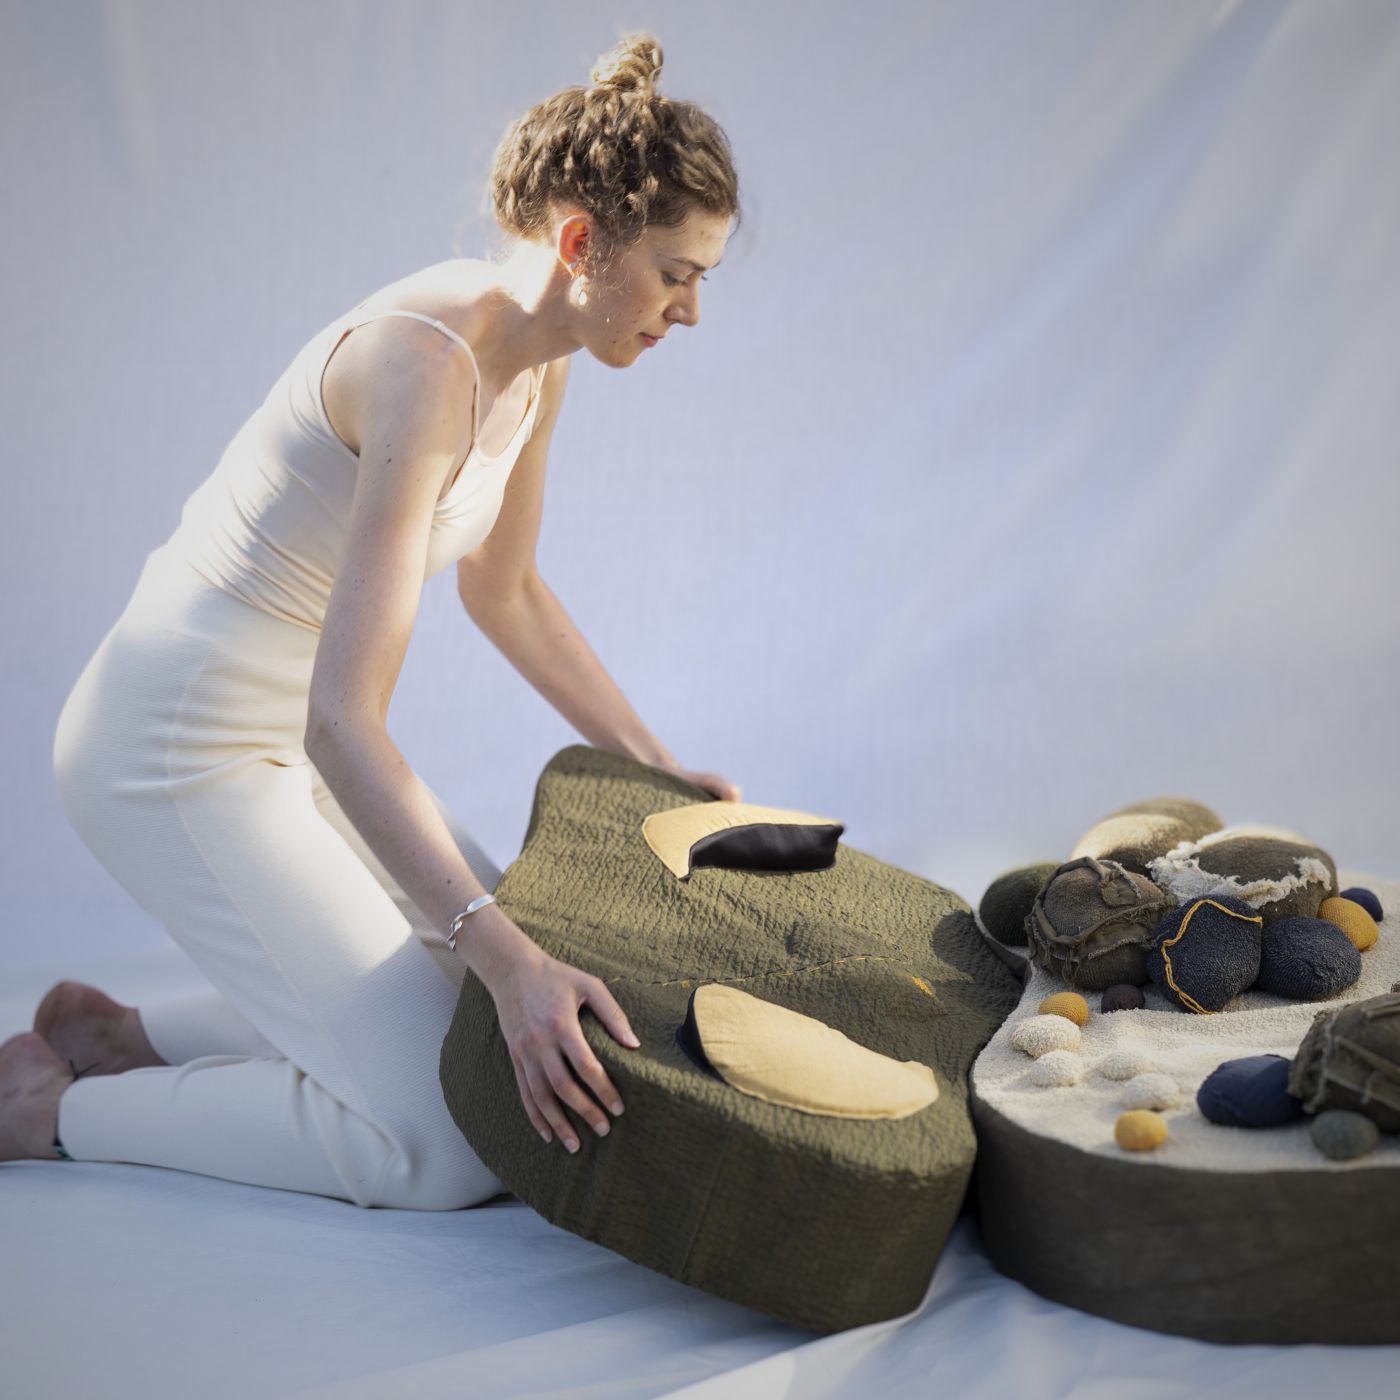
(1122, 996)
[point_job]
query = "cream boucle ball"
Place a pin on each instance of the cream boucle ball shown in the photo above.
(1057, 1068)
(1124, 1064)
(1038, 1035)
(1151, 1091)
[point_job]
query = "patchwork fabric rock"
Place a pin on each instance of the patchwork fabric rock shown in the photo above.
(1280, 877)
(1136, 835)
(1251, 1092)
(1307, 959)
(1092, 922)
(1206, 953)
(1008, 900)
(1350, 1058)
(821, 1221)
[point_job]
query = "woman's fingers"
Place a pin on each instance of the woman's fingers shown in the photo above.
(549, 1105)
(590, 1070)
(527, 1098)
(606, 1009)
(572, 1092)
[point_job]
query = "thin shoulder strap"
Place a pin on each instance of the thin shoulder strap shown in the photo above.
(447, 331)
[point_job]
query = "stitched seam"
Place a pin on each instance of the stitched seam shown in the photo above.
(768, 972)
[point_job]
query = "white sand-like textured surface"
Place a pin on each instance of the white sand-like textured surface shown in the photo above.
(1186, 1046)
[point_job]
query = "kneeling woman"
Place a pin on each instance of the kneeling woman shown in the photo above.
(225, 752)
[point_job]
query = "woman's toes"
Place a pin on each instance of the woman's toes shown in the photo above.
(32, 1080)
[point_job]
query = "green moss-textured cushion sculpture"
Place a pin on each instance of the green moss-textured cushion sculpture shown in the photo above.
(823, 1222)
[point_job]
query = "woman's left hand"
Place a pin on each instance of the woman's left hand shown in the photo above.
(711, 782)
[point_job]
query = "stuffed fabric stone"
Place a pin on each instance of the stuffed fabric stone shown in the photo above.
(1091, 923)
(1350, 1058)
(1205, 953)
(1136, 835)
(1307, 960)
(1251, 1092)
(1008, 900)
(825, 1222)
(1280, 876)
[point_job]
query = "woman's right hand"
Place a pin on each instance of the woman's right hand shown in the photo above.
(537, 1003)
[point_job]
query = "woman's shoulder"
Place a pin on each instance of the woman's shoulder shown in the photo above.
(451, 292)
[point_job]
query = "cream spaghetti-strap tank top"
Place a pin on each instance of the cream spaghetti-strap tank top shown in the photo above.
(269, 523)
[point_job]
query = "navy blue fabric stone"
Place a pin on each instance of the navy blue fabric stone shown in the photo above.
(1206, 952)
(1358, 894)
(1307, 960)
(1249, 1093)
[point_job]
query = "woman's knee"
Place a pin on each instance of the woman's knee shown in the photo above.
(436, 1181)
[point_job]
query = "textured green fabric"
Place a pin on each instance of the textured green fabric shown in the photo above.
(821, 1222)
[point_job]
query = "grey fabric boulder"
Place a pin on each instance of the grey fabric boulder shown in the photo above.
(1350, 1058)
(1092, 922)
(1280, 878)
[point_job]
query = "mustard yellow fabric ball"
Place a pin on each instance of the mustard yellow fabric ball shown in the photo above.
(1070, 1005)
(1352, 919)
(1140, 1130)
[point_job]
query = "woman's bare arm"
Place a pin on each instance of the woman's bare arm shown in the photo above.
(415, 425)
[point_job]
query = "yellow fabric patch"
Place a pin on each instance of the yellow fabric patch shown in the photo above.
(673, 833)
(783, 1057)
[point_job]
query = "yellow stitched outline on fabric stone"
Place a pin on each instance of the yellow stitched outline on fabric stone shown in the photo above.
(1181, 933)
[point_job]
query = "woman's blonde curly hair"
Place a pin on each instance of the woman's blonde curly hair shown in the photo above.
(618, 149)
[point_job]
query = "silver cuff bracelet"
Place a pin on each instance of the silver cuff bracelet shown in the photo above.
(480, 902)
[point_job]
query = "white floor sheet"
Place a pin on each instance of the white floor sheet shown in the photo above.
(137, 1281)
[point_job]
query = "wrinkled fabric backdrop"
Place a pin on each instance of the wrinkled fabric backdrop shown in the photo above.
(1034, 453)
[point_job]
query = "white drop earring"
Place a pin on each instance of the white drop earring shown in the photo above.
(580, 292)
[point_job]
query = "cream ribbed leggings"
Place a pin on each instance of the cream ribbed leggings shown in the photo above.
(312, 1065)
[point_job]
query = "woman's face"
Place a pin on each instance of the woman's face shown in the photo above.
(651, 287)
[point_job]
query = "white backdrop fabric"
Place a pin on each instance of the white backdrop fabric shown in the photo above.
(1034, 455)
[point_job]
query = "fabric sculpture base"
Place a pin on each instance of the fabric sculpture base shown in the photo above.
(820, 1221)
(1226, 1234)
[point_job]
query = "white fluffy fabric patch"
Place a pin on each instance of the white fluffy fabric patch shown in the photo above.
(1039, 1035)
(1124, 1064)
(1058, 1069)
(1178, 873)
(1151, 1091)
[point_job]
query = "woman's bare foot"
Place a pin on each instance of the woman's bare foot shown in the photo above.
(32, 1080)
(95, 1034)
